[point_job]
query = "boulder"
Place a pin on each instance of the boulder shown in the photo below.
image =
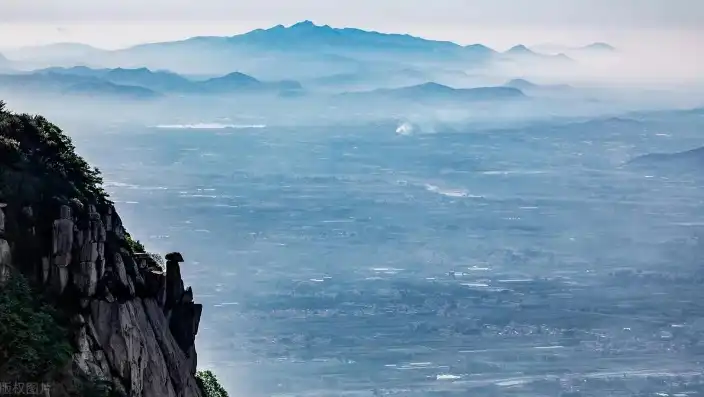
(174, 256)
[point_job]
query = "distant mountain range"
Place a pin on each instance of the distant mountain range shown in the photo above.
(527, 86)
(143, 83)
(107, 89)
(301, 51)
(591, 49)
(137, 83)
(599, 47)
(523, 51)
(430, 92)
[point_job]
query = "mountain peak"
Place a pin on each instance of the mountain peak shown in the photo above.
(141, 70)
(600, 46)
(520, 84)
(479, 48)
(519, 49)
(304, 24)
(237, 76)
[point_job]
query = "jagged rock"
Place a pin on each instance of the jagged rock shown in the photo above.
(120, 338)
(174, 256)
(2, 220)
(92, 238)
(161, 295)
(184, 322)
(85, 278)
(108, 219)
(5, 261)
(130, 287)
(63, 238)
(121, 274)
(115, 299)
(46, 269)
(78, 320)
(89, 360)
(83, 303)
(179, 366)
(154, 281)
(147, 261)
(187, 296)
(59, 279)
(62, 244)
(5, 253)
(174, 284)
(132, 269)
(117, 227)
(192, 359)
(89, 250)
(130, 264)
(131, 347)
(141, 262)
(100, 267)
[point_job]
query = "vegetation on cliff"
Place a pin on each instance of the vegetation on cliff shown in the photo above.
(209, 384)
(34, 344)
(39, 161)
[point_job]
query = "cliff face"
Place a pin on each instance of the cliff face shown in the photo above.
(133, 324)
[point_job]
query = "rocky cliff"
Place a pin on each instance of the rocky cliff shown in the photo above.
(132, 323)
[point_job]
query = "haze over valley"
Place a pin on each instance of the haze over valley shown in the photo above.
(381, 214)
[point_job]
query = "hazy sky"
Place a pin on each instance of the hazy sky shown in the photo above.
(500, 23)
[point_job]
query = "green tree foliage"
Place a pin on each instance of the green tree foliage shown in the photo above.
(33, 344)
(209, 385)
(134, 245)
(37, 161)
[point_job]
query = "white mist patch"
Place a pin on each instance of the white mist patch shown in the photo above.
(209, 126)
(454, 193)
(405, 129)
(514, 172)
(447, 377)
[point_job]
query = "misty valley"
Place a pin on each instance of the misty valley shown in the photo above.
(371, 214)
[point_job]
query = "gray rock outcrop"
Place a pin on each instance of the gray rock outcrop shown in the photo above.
(133, 324)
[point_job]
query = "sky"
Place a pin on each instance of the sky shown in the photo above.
(498, 23)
